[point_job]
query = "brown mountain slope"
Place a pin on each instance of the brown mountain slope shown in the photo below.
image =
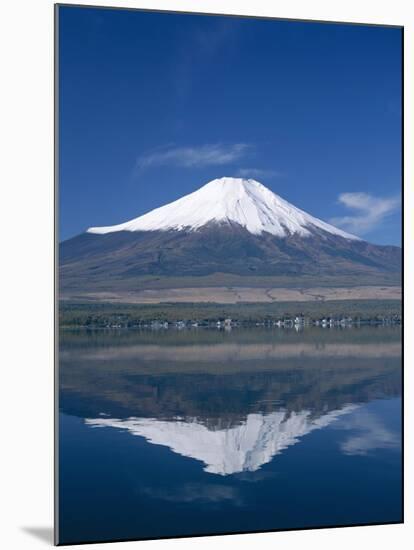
(130, 261)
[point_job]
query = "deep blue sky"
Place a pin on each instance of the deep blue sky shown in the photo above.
(154, 105)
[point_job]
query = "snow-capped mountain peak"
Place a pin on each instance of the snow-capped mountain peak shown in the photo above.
(245, 447)
(227, 200)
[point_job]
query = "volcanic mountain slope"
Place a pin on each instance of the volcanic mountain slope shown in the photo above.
(229, 226)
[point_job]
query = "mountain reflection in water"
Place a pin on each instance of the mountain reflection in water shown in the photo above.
(182, 433)
(245, 447)
(230, 403)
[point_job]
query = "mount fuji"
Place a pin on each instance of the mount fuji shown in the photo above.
(245, 447)
(229, 201)
(230, 229)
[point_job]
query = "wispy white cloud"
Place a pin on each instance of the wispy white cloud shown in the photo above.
(215, 154)
(193, 492)
(258, 173)
(369, 434)
(368, 211)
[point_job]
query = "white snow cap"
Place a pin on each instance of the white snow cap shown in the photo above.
(229, 200)
(244, 447)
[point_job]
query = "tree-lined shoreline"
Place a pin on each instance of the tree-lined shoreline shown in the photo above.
(165, 315)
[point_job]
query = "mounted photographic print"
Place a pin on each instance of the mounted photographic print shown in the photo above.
(229, 274)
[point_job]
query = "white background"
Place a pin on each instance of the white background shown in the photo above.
(26, 245)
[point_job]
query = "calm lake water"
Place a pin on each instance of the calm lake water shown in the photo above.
(174, 433)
